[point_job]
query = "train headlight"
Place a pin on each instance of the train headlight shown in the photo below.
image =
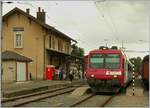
(92, 75)
(119, 72)
(107, 73)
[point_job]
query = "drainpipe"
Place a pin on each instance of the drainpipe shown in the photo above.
(44, 52)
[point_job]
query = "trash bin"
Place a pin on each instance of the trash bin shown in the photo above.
(49, 72)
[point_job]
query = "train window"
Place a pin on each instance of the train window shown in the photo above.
(97, 61)
(112, 61)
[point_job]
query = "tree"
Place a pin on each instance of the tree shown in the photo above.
(77, 51)
(137, 63)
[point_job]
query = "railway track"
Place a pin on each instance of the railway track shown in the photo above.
(35, 97)
(84, 99)
(81, 100)
(21, 100)
(107, 101)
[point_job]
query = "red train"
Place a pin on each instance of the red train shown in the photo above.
(145, 71)
(107, 68)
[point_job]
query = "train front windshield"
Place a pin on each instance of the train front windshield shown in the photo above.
(97, 61)
(107, 61)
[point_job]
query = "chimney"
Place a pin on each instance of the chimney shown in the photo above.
(41, 15)
(28, 11)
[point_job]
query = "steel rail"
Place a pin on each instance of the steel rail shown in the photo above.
(81, 100)
(106, 102)
(109, 99)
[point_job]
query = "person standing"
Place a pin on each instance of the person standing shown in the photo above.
(64, 75)
(61, 73)
(71, 75)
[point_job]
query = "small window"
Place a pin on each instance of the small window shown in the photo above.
(18, 40)
(59, 46)
(53, 43)
(50, 41)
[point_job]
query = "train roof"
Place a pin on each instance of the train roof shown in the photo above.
(105, 51)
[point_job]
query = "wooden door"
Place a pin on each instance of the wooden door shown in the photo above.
(21, 71)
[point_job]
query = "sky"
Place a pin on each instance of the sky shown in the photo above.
(97, 23)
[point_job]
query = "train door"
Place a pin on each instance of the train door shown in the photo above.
(125, 71)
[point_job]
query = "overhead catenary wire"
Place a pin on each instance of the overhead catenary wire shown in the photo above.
(111, 25)
(136, 51)
(112, 20)
(101, 11)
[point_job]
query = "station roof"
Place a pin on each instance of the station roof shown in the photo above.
(10, 55)
(64, 54)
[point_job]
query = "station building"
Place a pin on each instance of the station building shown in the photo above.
(34, 43)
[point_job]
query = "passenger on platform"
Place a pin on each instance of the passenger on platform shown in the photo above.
(56, 72)
(80, 73)
(71, 75)
(61, 73)
(59, 77)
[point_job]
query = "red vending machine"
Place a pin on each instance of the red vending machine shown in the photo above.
(49, 72)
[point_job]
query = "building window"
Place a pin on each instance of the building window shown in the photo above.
(67, 48)
(63, 46)
(59, 45)
(50, 40)
(18, 40)
(53, 43)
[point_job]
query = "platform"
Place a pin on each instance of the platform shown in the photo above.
(80, 91)
(22, 88)
(138, 89)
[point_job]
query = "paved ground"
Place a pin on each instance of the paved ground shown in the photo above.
(130, 101)
(141, 99)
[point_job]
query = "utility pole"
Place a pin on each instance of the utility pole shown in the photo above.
(106, 41)
(123, 48)
(122, 44)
